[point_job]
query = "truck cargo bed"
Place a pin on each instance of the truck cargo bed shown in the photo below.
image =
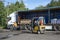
(25, 21)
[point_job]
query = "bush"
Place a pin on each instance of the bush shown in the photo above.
(5, 27)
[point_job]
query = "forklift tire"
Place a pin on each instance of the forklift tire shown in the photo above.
(38, 32)
(41, 31)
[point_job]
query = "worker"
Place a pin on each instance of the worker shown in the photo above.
(15, 25)
(41, 22)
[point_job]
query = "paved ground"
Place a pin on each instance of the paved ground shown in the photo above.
(8, 34)
(49, 35)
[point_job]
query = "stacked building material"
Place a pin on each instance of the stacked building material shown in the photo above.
(53, 21)
(25, 21)
(58, 21)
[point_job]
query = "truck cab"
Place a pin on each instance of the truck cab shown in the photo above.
(11, 20)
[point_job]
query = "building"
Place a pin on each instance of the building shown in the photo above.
(48, 13)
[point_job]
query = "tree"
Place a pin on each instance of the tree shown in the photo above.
(2, 14)
(40, 7)
(20, 5)
(54, 3)
(17, 6)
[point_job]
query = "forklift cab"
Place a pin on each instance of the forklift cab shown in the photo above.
(38, 24)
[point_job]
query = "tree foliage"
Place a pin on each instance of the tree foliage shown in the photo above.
(2, 14)
(40, 7)
(17, 6)
(4, 10)
(54, 3)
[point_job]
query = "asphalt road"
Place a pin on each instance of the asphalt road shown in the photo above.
(5, 35)
(49, 35)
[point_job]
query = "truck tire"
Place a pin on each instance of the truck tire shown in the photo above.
(11, 27)
(14, 28)
(57, 28)
(8, 26)
(18, 28)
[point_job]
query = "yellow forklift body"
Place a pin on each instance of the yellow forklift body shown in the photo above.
(39, 26)
(35, 29)
(42, 27)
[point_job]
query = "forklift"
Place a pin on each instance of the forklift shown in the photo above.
(38, 25)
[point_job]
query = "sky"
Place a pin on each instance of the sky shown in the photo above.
(31, 4)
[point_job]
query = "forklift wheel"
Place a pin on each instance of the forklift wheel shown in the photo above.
(38, 32)
(41, 31)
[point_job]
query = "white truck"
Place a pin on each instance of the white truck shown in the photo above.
(14, 22)
(11, 19)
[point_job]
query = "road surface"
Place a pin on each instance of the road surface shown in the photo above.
(49, 35)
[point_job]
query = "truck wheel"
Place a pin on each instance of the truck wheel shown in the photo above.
(11, 27)
(59, 28)
(8, 26)
(56, 28)
(18, 28)
(14, 28)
